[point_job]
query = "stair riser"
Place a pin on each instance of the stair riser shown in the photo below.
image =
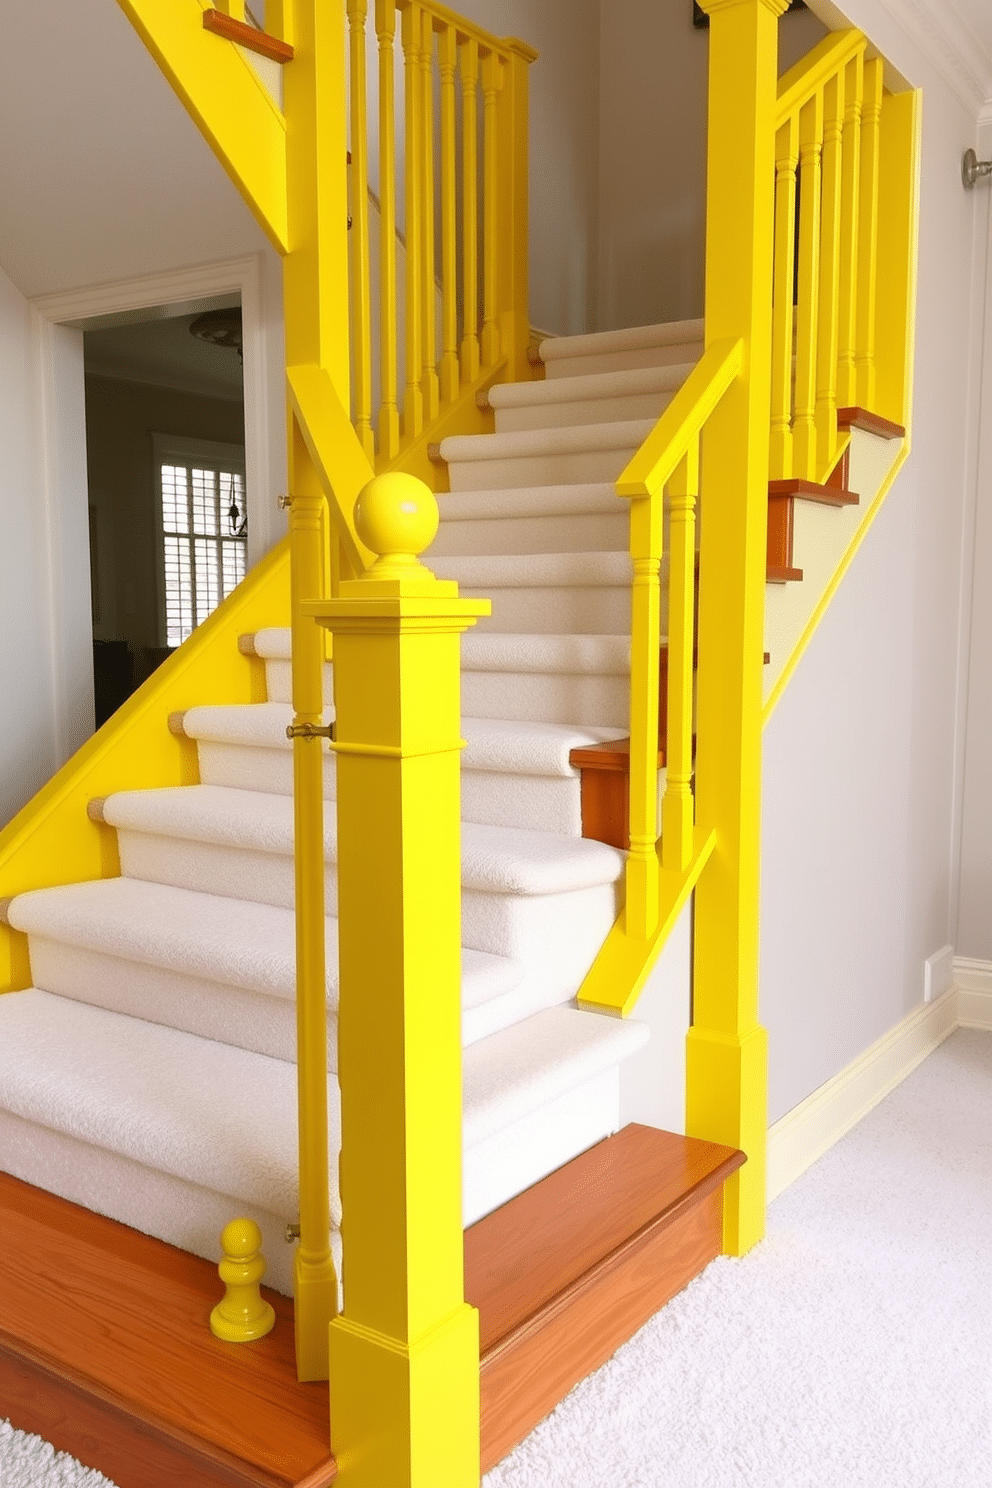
(544, 697)
(538, 802)
(585, 466)
(594, 532)
(231, 1015)
(523, 1153)
(279, 682)
(568, 415)
(247, 767)
(539, 929)
(624, 361)
(559, 610)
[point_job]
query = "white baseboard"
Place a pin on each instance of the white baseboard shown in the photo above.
(973, 980)
(811, 1128)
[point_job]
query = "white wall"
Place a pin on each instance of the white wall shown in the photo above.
(652, 157)
(28, 742)
(564, 130)
(974, 937)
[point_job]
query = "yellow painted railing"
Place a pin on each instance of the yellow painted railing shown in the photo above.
(464, 230)
(669, 458)
(827, 159)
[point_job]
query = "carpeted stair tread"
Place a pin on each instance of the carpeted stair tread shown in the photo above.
(111, 1082)
(220, 1117)
(589, 387)
(617, 435)
(260, 724)
(517, 1070)
(501, 860)
(581, 499)
(526, 748)
(537, 570)
(230, 941)
(599, 343)
(600, 655)
(274, 642)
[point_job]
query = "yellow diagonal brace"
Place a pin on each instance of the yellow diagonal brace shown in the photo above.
(336, 452)
(226, 99)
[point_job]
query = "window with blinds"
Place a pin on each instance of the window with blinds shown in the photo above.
(204, 539)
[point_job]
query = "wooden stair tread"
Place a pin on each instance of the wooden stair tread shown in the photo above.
(810, 491)
(567, 1271)
(96, 1317)
(873, 423)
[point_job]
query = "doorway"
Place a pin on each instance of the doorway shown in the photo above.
(166, 491)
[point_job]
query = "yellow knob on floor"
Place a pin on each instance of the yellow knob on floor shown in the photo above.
(242, 1315)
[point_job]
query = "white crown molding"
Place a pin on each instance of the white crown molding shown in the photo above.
(176, 288)
(948, 40)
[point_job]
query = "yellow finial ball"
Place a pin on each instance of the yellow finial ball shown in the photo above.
(396, 515)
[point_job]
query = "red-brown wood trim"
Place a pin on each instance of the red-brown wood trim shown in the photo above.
(783, 575)
(778, 547)
(872, 423)
(804, 490)
(247, 36)
(105, 1338)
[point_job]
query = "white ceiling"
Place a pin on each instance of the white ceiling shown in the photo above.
(957, 34)
(102, 174)
(163, 352)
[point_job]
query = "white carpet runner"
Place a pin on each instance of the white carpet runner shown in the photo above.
(149, 1072)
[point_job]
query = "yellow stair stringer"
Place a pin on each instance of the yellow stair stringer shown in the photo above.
(52, 840)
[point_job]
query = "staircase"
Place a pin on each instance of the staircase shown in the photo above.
(162, 1046)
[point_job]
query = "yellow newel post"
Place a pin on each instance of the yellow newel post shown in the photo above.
(726, 1096)
(405, 1353)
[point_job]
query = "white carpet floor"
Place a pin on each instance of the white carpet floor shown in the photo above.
(852, 1349)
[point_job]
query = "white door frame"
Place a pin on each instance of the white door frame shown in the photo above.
(57, 322)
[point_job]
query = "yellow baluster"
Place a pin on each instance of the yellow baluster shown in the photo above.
(405, 1354)
(315, 277)
(783, 318)
(828, 311)
(431, 385)
(726, 1053)
(871, 113)
(513, 243)
(361, 303)
(469, 59)
(448, 64)
(898, 216)
(678, 818)
(279, 19)
(641, 912)
(413, 401)
(389, 417)
(810, 147)
(850, 174)
(492, 77)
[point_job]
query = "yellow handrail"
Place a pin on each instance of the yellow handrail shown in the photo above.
(810, 74)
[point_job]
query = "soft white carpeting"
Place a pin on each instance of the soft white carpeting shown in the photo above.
(852, 1349)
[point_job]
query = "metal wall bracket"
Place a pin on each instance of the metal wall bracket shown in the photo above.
(310, 731)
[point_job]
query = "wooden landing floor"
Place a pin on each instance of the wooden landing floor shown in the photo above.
(106, 1350)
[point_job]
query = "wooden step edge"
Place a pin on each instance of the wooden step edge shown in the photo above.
(871, 423)
(132, 1447)
(434, 454)
(626, 1225)
(5, 902)
(246, 644)
(782, 574)
(247, 36)
(106, 1351)
(177, 723)
(805, 490)
(94, 808)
